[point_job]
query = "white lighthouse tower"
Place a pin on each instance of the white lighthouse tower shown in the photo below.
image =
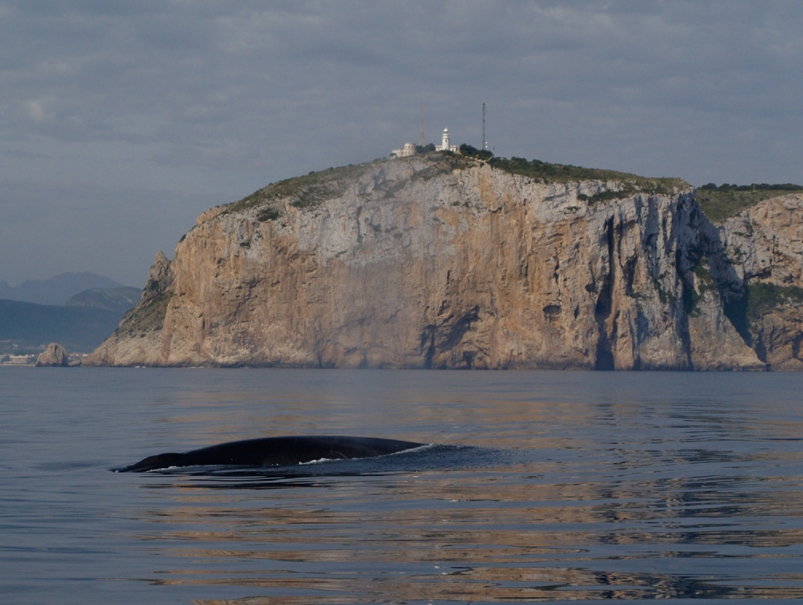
(445, 143)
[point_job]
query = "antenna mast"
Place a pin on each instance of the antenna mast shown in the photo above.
(484, 142)
(421, 140)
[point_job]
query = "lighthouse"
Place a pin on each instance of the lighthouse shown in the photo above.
(445, 143)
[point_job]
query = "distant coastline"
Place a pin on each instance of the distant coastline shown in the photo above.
(81, 321)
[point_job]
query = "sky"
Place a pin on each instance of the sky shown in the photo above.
(121, 121)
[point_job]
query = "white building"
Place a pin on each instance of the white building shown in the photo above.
(445, 143)
(17, 360)
(407, 150)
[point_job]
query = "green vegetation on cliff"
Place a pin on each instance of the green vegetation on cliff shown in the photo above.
(470, 151)
(304, 191)
(312, 189)
(704, 282)
(763, 298)
(315, 188)
(565, 173)
(725, 201)
(758, 300)
(147, 317)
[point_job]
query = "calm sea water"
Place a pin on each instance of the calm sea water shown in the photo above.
(563, 486)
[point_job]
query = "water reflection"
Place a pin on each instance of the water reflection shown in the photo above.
(561, 496)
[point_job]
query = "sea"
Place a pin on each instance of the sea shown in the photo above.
(533, 487)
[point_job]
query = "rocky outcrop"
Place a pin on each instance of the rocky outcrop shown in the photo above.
(443, 262)
(55, 355)
(764, 245)
(715, 343)
(140, 331)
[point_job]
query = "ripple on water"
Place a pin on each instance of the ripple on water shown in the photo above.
(545, 487)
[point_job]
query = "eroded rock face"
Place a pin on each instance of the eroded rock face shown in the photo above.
(54, 355)
(765, 247)
(418, 264)
(716, 344)
(765, 242)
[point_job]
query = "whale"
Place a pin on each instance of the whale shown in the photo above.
(275, 451)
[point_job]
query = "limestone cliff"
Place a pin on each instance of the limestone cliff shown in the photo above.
(764, 246)
(441, 261)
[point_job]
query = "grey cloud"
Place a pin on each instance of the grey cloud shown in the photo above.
(212, 97)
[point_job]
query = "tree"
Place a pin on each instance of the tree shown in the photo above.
(470, 151)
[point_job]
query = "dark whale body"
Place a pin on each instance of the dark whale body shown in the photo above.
(276, 451)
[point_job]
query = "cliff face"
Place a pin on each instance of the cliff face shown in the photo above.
(442, 262)
(764, 245)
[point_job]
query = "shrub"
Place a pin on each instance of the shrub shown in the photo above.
(564, 173)
(725, 201)
(268, 214)
(469, 151)
(763, 298)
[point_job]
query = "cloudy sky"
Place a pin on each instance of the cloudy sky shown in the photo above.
(120, 121)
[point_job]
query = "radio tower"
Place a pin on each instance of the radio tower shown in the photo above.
(421, 140)
(484, 142)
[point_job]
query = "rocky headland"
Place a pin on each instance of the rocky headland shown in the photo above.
(447, 261)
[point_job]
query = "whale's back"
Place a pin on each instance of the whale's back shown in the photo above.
(277, 451)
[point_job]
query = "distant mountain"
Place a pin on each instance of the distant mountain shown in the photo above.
(56, 290)
(118, 300)
(79, 329)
